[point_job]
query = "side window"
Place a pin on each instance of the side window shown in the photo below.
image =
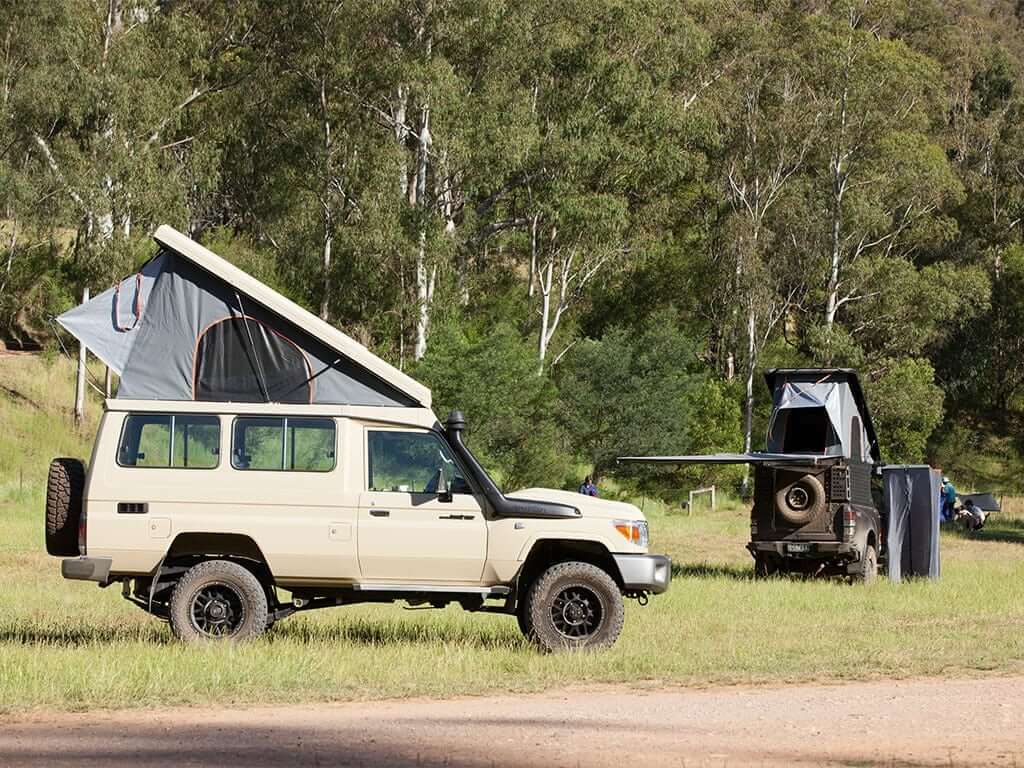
(411, 462)
(283, 444)
(181, 441)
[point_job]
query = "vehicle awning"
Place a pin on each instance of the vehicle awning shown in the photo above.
(730, 458)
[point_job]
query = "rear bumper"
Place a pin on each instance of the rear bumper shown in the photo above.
(815, 550)
(86, 569)
(644, 573)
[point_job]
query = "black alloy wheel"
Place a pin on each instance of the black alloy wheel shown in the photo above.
(218, 601)
(572, 606)
(217, 611)
(576, 612)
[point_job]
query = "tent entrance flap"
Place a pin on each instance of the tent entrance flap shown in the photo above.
(242, 360)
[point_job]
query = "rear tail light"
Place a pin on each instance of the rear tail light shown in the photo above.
(81, 532)
(849, 523)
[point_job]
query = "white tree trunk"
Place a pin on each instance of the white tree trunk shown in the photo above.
(748, 398)
(325, 297)
(533, 254)
(424, 282)
(11, 246)
(545, 280)
(328, 222)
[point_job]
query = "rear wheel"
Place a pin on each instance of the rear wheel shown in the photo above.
(573, 606)
(765, 566)
(65, 488)
(218, 600)
(867, 570)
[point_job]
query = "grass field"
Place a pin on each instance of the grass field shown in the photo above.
(69, 645)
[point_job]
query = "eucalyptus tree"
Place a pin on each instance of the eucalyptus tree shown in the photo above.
(884, 182)
(109, 86)
(769, 126)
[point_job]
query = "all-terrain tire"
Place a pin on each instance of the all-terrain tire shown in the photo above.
(65, 489)
(573, 605)
(218, 600)
(867, 568)
(524, 621)
(801, 500)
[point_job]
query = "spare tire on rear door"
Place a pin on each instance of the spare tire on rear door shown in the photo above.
(800, 500)
(65, 488)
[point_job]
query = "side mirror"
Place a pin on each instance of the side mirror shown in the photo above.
(443, 491)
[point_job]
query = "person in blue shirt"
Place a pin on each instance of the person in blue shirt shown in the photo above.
(948, 499)
(588, 488)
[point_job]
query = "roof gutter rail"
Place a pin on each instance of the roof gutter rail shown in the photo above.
(501, 504)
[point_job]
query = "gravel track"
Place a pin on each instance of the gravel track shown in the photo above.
(894, 723)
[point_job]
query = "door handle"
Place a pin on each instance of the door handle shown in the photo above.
(379, 513)
(455, 517)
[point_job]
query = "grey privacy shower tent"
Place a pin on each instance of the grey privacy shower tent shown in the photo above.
(191, 326)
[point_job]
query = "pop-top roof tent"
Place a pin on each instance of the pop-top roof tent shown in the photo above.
(192, 326)
(817, 414)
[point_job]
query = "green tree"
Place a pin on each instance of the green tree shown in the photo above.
(642, 393)
(509, 409)
(906, 407)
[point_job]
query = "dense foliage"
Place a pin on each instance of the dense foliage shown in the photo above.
(590, 225)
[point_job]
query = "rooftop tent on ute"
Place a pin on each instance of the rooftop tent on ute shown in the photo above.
(817, 414)
(191, 326)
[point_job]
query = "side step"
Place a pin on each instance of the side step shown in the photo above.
(447, 589)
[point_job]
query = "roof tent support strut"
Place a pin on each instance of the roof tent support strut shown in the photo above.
(255, 356)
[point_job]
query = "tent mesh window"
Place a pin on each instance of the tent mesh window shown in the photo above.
(240, 359)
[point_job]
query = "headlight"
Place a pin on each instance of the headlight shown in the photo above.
(634, 531)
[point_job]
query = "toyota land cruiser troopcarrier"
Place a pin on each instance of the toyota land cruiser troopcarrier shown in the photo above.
(253, 447)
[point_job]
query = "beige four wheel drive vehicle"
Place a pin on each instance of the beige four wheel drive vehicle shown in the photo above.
(254, 448)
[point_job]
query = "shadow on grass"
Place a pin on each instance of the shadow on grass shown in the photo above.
(357, 633)
(380, 633)
(1008, 531)
(708, 570)
(82, 635)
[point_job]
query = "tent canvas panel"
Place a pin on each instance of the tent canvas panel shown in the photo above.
(192, 326)
(187, 304)
(107, 323)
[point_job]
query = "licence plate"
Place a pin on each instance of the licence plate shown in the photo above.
(798, 547)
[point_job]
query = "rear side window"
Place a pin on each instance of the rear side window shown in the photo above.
(283, 444)
(181, 441)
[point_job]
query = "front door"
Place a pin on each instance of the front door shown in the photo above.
(409, 529)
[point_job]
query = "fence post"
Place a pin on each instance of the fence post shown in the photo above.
(80, 380)
(107, 383)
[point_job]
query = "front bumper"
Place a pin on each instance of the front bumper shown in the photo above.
(86, 569)
(644, 573)
(810, 550)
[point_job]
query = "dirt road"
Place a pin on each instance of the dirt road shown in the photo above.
(913, 723)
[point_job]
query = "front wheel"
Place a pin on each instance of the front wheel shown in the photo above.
(218, 600)
(573, 606)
